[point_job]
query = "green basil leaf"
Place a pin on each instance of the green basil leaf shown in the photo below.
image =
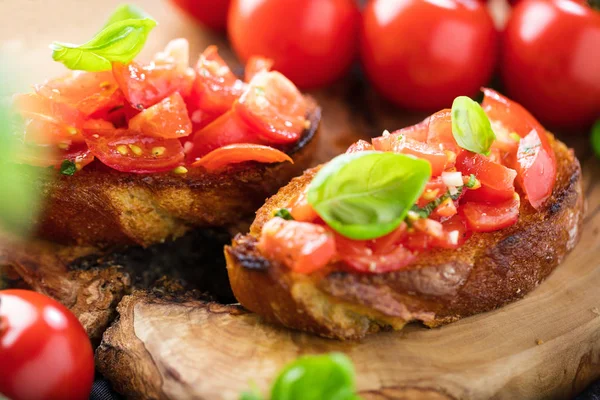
(127, 11)
(367, 194)
(316, 377)
(68, 167)
(119, 41)
(471, 127)
(596, 138)
(283, 213)
(250, 396)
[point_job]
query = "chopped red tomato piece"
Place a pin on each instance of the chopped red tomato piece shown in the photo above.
(167, 119)
(535, 162)
(301, 210)
(51, 156)
(361, 145)
(437, 158)
(256, 65)
(453, 235)
(416, 132)
(301, 246)
(274, 107)
(238, 153)
(433, 189)
(129, 151)
(216, 87)
(91, 93)
(497, 181)
(225, 130)
(146, 85)
(48, 121)
(483, 217)
(439, 132)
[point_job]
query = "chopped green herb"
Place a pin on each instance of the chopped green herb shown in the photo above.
(68, 167)
(283, 213)
(472, 182)
(427, 209)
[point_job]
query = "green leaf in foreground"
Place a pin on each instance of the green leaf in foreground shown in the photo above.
(126, 11)
(319, 377)
(120, 41)
(471, 127)
(367, 194)
(596, 138)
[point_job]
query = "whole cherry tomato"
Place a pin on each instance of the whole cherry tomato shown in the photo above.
(421, 54)
(212, 13)
(551, 61)
(44, 351)
(312, 42)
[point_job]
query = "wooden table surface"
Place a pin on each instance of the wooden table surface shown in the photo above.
(545, 346)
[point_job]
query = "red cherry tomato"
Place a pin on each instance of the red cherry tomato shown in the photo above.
(44, 351)
(312, 42)
(301, 246)
(225, 130)
(551, 62)
(212, 13)
(274, 107)
(129, 151)
(238, 153)
(482, 217)
(167, 119)
(535, 161)
(216, 87)
(422, 54)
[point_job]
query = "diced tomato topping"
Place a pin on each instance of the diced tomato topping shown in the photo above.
(92, 93)
(51, 156)
(497, 181)
(216, 87)
(273, 106)
(446, 209)
(361, 145)
(483, 217)
(416, 132)
(301, 210)
(48, 121)
(301, 246)
(433, 189)
(167, 119)
(535, 162)
(256, 65)
(225, 130)
(130, 151)
(238, 153)
(439, 132)
(437, 158)
(146, 85)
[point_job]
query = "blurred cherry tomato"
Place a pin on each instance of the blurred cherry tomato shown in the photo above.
(551, 61)
(44, 351)
(212, 13)
(312, 42)
(421, 54)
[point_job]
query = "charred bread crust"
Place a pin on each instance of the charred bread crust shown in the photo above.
(102, 207)
(442, 286)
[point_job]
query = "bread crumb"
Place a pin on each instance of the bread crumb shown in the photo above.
(539, 342)
(596, 311)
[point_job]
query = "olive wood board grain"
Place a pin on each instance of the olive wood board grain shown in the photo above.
(169, 345)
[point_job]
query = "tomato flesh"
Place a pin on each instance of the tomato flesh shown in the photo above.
(497, 181)
(129, 151)
(535, 162)
(167, 119)
(255, 65)
(274, 107)
(482, 217)
(44, 351)
(301, 246)
(238, 153)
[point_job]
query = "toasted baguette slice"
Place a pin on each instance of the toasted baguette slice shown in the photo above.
(99, 206)
(442, 286)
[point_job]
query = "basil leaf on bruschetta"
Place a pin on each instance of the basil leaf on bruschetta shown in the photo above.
(471, 127)
(367, 195)
(119, 41)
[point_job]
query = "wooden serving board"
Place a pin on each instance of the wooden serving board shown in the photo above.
(167, 345)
